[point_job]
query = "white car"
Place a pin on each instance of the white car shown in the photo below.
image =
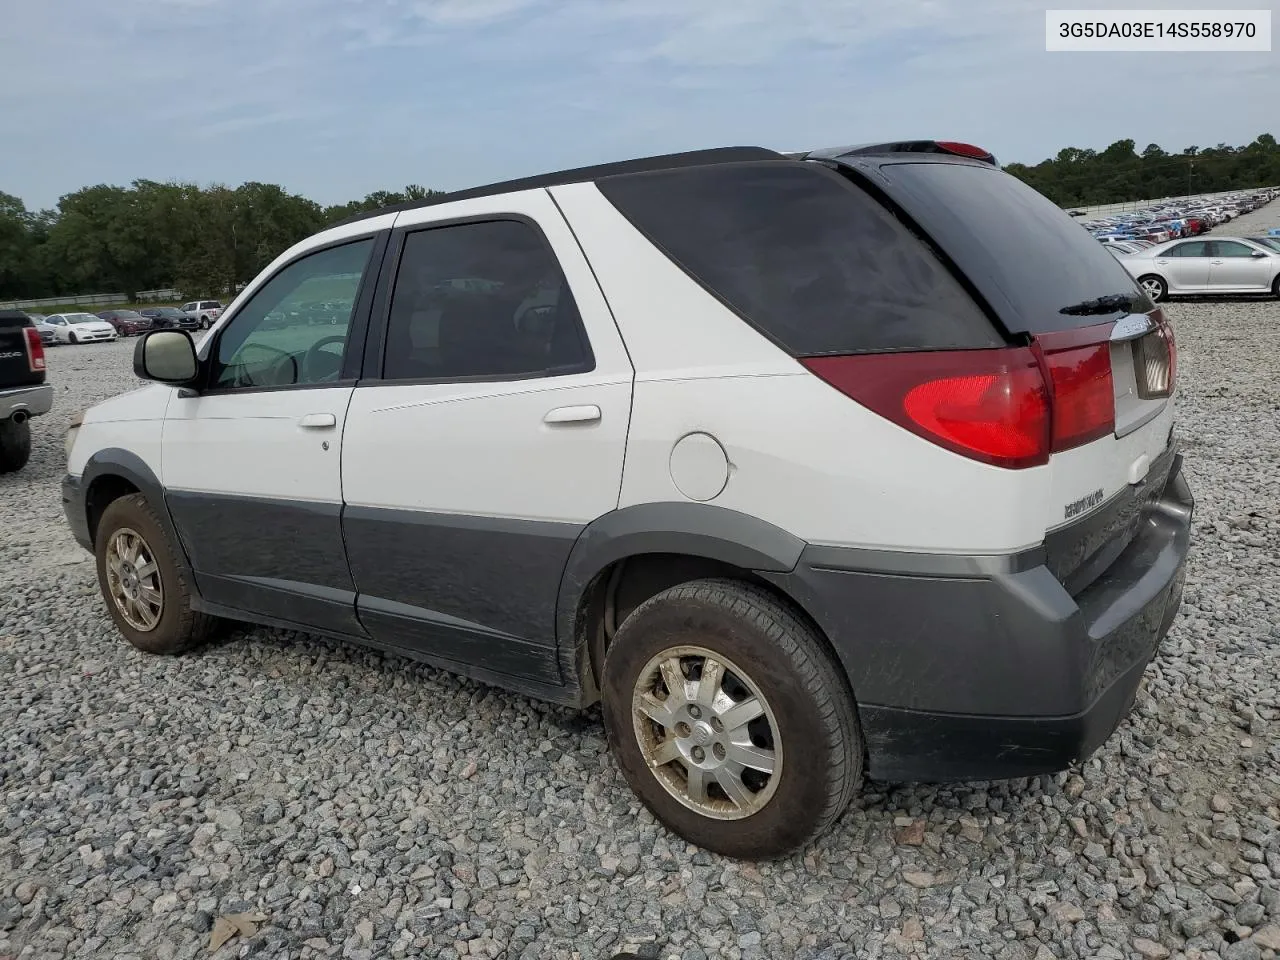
(203, 312)
(1212, 265)
(854, 463)
(79, 328)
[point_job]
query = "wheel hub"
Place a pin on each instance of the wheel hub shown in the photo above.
(707, 733)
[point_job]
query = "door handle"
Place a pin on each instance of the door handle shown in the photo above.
(1216, 263)
(319, 421)
(587, 413)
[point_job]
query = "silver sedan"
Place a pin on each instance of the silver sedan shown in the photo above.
(1198, 267)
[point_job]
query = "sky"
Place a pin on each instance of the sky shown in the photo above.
(336, 98)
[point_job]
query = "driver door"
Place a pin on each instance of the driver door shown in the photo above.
(251, 465)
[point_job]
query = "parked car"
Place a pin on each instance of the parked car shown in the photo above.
(80, 328)
(203, 312)
(127, 323)
(170, 318)
(23, 391)
(1218, 265)
(583, 479)
(47, 335)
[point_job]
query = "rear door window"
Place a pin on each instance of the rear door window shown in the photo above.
(812, 261)
(1020, 249)
(1197, 248)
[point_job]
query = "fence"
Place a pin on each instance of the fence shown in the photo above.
(84, 300)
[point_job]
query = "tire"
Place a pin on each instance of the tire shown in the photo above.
(1155, 286)
(1275, 287)
(204, 323)
(15, 445)
(808, 718)
(72, 338)
(177, 628)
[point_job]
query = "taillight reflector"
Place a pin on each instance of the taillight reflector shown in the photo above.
(35, 349)
(989, 405)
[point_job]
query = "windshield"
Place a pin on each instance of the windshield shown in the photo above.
(1271, 243)
(1023, 253)
(83, 318)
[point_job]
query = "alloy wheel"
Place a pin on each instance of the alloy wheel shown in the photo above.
(707, 732)
(133, 580)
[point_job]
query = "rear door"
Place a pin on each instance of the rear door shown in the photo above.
(1046, 280)
(488, 430)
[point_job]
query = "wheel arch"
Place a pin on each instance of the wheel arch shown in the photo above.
(114, 472)
(631, 554)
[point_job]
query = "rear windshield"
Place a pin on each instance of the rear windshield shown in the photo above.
(1026, 256)
(809, 259)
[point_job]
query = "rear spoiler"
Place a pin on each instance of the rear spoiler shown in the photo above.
(952, 147)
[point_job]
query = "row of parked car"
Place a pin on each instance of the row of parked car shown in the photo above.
(110, 324)
(1173, 220)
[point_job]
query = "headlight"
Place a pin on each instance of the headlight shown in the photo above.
(72, 429)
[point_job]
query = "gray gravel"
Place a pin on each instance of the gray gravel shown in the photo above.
(370, 807)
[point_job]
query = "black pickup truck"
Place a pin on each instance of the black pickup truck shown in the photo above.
(23, 391)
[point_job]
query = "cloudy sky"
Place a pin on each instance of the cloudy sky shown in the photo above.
(336, 98)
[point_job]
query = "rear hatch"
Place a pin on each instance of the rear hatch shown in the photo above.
(1052, 286)
(21, 352)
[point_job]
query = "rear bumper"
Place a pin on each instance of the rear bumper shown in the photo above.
(988, 668)
(33, 400)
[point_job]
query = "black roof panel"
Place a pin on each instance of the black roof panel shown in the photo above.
(692, 158)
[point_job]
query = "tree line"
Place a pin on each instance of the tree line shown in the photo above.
(1119, 173)
(203, 241)
(207, 240)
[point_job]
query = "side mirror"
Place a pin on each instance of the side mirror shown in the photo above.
(166, 356)
(1257, 254)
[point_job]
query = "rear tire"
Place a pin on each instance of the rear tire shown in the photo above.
(146, 594)
(204, 323)
(788, 772)
(1155, 287)
(15, 445)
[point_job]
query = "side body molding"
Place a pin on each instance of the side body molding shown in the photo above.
(692, 529)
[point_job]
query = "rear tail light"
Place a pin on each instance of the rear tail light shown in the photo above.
(1011, 407)
(965, 150)
(35, 350)
(989, 405)
(1155, 360)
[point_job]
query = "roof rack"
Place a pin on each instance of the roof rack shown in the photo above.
(669, 161)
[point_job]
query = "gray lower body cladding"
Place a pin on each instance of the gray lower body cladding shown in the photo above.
(963, 667)
(1007, 674)
(31, 400)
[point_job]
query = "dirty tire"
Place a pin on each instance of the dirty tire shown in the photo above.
(15, 445)
(180, 628)
(797, 676)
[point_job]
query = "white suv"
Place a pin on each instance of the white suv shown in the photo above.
(806, 466)
(203, 312)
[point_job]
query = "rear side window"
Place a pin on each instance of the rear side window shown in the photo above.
(812, 261)
(483, 300)
(1025, 255)
(1196, 248)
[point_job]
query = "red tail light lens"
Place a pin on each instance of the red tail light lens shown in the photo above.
(1084, 397)
(989, 405)
(35, 350)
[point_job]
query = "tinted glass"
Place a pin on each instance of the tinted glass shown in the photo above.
(482, 300)
(1230, 248)
(1021, 250)
(1197, 248)
(810, 260)
(294, 330)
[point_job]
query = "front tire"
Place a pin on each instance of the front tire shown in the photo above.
(1155, 287)
(730, 719)
(15, 445)
(146, 593)
(72, 338)
(1275, 287)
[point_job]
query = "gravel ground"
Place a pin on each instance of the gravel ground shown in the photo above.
(370, 807)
